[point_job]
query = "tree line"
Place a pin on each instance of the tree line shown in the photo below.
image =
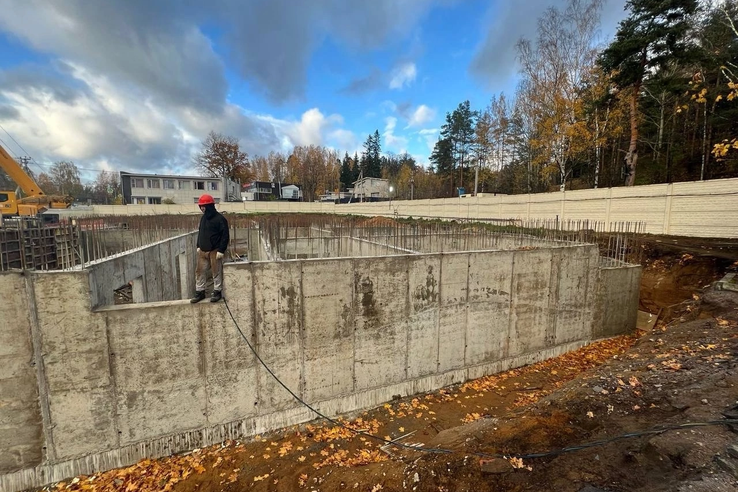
(655, 105)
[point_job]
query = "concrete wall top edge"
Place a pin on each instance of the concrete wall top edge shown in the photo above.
(134, 250)
(147, 305)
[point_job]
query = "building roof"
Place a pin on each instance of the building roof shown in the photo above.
(365, 178)
(166, 176)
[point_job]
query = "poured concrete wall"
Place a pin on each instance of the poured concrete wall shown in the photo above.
(21, 439)
(125, 382)
(335, 247)
(163, 271)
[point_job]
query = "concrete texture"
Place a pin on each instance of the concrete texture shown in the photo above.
(616, 306)
(157, 269)
(119, 383)
(334, 247)
(21, 430)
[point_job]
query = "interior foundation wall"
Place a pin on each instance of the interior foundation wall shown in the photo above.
(155, 271)
(121, 383)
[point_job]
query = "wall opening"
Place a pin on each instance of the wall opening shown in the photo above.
(123, 294)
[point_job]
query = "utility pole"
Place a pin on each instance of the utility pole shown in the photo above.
(412, 185)
(24, 162)
(476, 177)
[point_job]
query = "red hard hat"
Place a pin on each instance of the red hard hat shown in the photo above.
(205, 200)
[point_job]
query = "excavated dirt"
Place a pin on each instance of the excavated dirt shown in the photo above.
(683, 371)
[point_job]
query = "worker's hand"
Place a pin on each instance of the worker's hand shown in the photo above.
(219, 255)
(198, 251)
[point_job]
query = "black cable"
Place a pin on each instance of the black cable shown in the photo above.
(555, 452)
(21, 147)
(311, 408)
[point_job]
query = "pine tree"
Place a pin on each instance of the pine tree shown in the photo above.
(347, 177)
(442, 159)
(654, 33)
(370, 159)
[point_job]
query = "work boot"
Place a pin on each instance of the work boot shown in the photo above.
(216, 296)
(199, 296)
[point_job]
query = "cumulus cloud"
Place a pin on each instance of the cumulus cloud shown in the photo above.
(421, 116)
(495, 61)
(344, 140)
(392, 142)
(403, 75)
(160, 44)
(88, 119)
(139, 84)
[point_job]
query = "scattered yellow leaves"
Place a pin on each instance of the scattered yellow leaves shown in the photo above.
(259, 478)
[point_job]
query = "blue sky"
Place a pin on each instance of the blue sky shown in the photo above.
(137, 85)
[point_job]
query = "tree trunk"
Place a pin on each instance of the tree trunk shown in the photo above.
(660, 141)
(704, 142)
(597, 148)
(631, 158)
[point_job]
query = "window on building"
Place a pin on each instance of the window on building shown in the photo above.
(3, 197)
(199, 185)
(184, 185)
(153, 183)
(138, 200)
(168, 184)
(213, 185)
(137, 183)
(154, 200)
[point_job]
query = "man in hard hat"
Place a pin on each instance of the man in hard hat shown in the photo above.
(212, 242)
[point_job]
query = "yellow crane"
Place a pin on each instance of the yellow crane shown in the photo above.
(34, 201)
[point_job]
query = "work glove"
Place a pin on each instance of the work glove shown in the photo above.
(219, 255)
(198, 250)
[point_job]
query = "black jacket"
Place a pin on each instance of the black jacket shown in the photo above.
(214, 234)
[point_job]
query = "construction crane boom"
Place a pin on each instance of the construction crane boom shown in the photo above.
(35, 200)
(17, 174)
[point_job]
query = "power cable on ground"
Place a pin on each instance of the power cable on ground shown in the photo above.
(555, 452)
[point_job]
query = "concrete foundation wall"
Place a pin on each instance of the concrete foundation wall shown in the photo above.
(163, 271)
(21, 439)
(335, 247)
(125, 382)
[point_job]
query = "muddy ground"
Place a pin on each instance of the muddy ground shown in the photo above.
(683, 371)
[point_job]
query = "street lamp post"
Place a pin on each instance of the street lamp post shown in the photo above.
(391, 189)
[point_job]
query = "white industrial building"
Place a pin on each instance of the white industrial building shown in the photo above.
(151, 189)
(371, 189)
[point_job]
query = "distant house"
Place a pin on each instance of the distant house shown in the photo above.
(151, 189)
(291, 192)
(266, 190)
(370, 189)
(341, 197)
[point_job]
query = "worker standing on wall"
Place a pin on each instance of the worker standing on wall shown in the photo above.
(212, 242)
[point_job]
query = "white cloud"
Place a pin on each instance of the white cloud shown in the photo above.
(403, 75)
(344, 141)
(99, 124)
(393, 142)
(422, 115)
(311, 128)
(429, 136)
